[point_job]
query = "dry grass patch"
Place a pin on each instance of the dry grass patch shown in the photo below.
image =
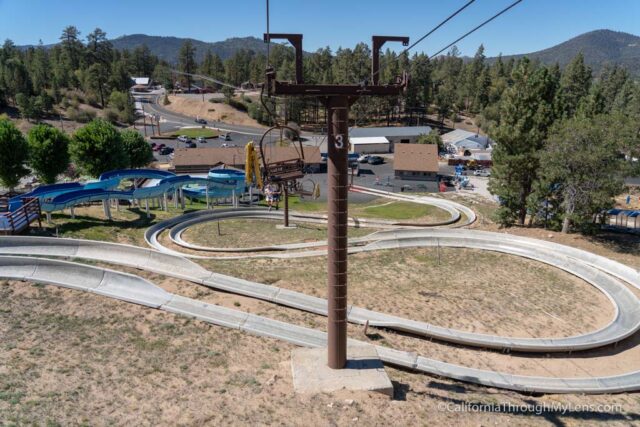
(73, 358)
(473, 290)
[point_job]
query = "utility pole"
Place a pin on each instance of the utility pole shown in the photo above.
(144, 120)
(337, 100)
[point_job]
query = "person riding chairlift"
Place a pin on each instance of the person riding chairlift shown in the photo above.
(272, 193)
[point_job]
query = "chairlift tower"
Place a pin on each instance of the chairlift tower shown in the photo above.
(338, 100)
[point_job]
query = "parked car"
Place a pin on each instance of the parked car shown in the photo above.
(153, 145)
(375, 160)
(184, 138)
(201, 121)
(225, 136)
(166, 150)
(201, 139)
(158, 147)
(192, 145)
(363, 158)
(482, 172)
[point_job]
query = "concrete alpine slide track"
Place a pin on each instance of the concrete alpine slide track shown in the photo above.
(599, 271)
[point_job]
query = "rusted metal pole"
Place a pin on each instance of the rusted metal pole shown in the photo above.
(338, 147)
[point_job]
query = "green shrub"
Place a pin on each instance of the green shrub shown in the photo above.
(14, 152)
(97, 147)
(238, 105)
(138, 150)
(48, 152)
(80, 116)
(111, 115)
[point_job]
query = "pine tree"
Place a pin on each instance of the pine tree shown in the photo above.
(574, 87)
(187, 61)
(581, 163)
(525, 116)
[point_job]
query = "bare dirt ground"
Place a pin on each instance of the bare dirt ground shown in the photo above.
(210, 111)
(68, 357)
(71, 358)
(435, 286)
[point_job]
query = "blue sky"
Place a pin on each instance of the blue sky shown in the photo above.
(530, 26)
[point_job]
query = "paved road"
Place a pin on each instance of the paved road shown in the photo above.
(170, 120)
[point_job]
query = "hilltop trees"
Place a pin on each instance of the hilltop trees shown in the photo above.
(212, 66)
(13, 154)
(122, 106)
(36, 78)
(48, 152)
(574, 87)
(187, 61)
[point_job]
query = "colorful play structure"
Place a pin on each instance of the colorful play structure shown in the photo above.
(21, 210)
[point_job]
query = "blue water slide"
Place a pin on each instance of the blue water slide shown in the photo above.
(135, 174)
(226, 183)
(219, 183)
(44, 191)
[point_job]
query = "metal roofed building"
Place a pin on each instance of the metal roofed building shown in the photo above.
(370, 145)
(395, 135)
(462, 140)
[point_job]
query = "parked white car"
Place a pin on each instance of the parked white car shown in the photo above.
(482, 172)
(364, 158)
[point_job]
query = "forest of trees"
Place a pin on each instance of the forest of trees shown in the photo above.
(37, 78)
(565, 138)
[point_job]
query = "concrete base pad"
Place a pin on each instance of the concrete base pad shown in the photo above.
(364, 371)
(282, 227)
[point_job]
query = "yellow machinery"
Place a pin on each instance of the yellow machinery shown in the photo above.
(252, 166)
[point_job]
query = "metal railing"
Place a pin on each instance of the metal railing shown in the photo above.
(17, 221)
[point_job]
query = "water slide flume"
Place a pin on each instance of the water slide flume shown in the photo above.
(220, 183)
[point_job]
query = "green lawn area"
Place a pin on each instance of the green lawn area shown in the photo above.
(129, 224)
(379, 208)
(196, 132)
(244, 233)
(399, 211)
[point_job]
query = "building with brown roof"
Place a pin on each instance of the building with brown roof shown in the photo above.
(201, 160)
(416, 162)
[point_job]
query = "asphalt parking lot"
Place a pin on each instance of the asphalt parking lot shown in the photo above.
(238, 139)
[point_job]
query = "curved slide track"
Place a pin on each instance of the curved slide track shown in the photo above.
(625, 322)
(133, 289)
(604, 274)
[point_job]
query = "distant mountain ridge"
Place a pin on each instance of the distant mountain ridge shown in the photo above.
(599, 47)
(167, 48)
